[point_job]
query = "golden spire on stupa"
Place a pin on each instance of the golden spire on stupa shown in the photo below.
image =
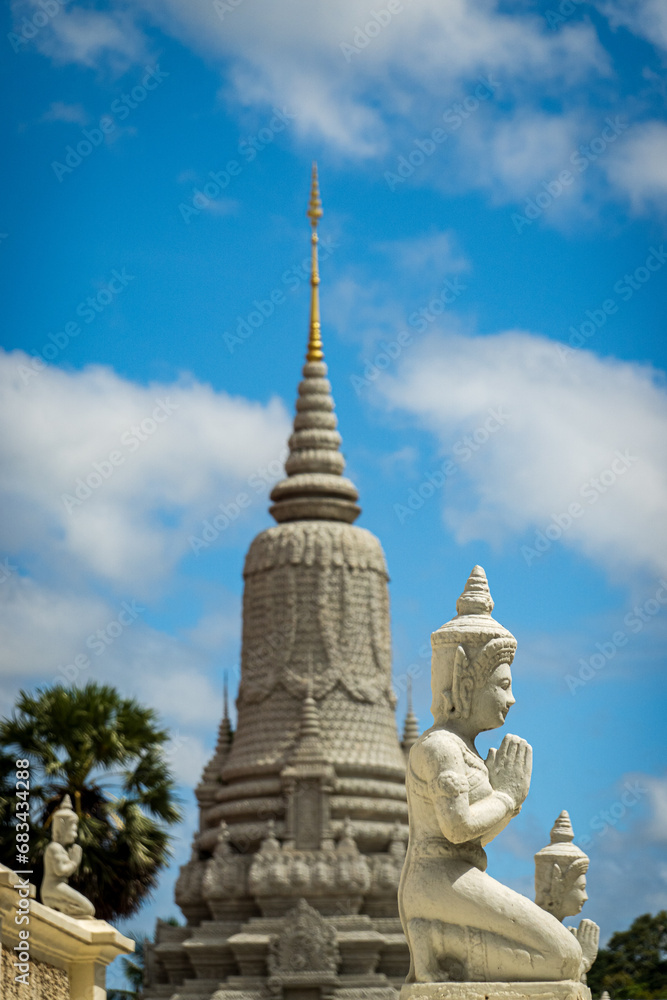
(314, 213)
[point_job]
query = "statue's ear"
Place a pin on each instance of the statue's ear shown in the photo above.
(556, 881)
(462, 684)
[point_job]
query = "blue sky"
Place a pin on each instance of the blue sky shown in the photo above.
(494, 179)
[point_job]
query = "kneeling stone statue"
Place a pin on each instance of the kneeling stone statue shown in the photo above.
(462, 926)
(61, 859)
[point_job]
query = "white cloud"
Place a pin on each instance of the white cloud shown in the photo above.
(513, 155)
(638, 166)
(627, 876)
(645, 18)
(180, 450)
(42, 629)
(393, 81)
(186, 757)
(657, 789)
(436, 252)
(372, 101)
(565, 422)
(150, 464)
(87, 37)
(420, 60)
(217, 629)
(60, 111)
(49, 636)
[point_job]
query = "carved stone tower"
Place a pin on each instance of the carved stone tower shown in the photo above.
(291, 891)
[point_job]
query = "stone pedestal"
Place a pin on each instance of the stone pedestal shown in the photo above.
(68, 957)
(567, 989)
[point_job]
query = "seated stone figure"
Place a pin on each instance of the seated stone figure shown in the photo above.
(61, 859)
(560, 884)
(461, 924)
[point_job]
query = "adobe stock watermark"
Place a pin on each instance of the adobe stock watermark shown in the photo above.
(130, 440)
(7, 570)
(625, 288)
(591, 491)
(463, 449)
(264, 308)
(580, 159)
(224, 7)
(562, 13)
(607, 819)
(364, 34)
(401, 682)
(248, 147)
(454, 117)
(121, 107)
(87, 310)
(99, 641)
(30, 27)
(259, 482)
(390, 351)
(634, 621)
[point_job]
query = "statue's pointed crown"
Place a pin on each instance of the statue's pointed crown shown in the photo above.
(411, 726)
(473, 621)
(561, 831)
(64, 811)
(561, 850)
(315, 488)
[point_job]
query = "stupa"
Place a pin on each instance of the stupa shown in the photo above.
(291, 890)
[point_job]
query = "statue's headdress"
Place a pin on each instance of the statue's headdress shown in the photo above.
(557, 864)
(64, 810)
(457, 662)
(62, 813)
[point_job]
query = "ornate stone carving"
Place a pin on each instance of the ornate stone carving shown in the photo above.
(347, 591)
(225, 877)
(387, 867)
(188, 888)
(307, 943)
(209, 785)
(460, 923)
(560, 884)
(335, 878)
(62, 857)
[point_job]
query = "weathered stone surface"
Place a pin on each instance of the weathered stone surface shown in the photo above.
(62, 857)
(46, 982)
(462, 925)
(54, 955)
(560, 884)
(564, 990)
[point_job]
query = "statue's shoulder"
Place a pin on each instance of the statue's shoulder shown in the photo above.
(435, 751)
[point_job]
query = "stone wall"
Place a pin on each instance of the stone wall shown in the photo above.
(66, 957)
(46, 981)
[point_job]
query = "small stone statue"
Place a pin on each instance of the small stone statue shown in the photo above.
(61, 859)
(560, 884)
(461, 924)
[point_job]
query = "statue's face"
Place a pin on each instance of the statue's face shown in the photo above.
(492, 702)
(574, 897)
(65, 830)
(70, 830)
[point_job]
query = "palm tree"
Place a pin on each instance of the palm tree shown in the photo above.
(107, 753)
(133, 969)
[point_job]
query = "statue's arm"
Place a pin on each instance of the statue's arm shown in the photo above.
(444, 772)
(61, 864)
(499, 827)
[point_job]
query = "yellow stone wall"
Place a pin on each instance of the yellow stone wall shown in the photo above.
(46, 982)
